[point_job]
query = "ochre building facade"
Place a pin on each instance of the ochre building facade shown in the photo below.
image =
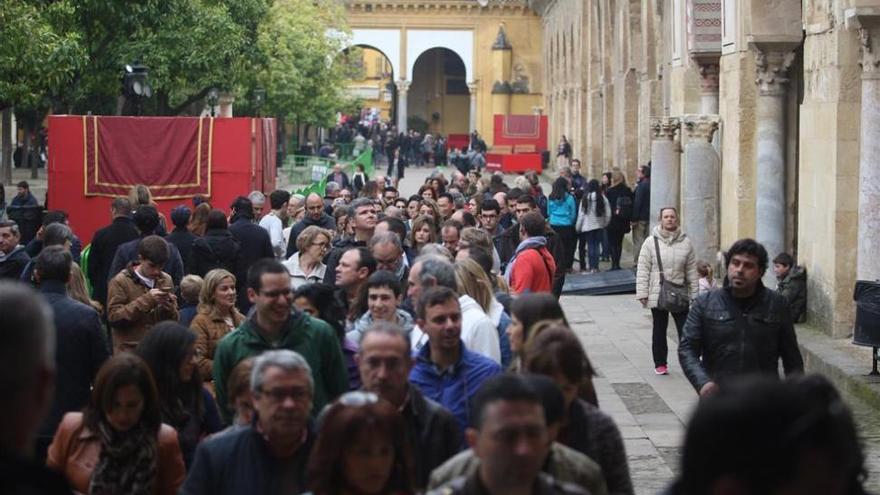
(454, 63)
(761, 119)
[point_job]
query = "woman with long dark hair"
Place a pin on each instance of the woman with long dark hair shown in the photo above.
(562, 215)
(525, 311)
(620, 197)
(169, 350)
(593, 216)
(557, 353)
(362, 448)
(119, 444)
(319, 301)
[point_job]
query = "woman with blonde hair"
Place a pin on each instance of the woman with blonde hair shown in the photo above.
(429, 207)
(76, 288)
(198, 223)
(472, 280)
(140, 195)
(424, 231)
(306, 265)
(216, 317)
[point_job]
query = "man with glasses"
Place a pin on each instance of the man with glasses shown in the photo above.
(389, 195)
(271, 455)
(490, 213)
(315, 215)
(384, 362)
(274, 326)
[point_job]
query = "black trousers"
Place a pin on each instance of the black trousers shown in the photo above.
(615, 245)
(568, 237)
(658, 341)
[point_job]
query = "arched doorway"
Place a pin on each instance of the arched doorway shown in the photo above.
(371, 76)
(439, 98)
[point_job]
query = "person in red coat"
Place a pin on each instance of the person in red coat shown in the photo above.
(532, 267)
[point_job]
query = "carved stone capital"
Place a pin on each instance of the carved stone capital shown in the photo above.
(473, 86)
(700, 127)
(403, 85)
(709, 78)
(869, 46)
(664, 128)
(771, 67)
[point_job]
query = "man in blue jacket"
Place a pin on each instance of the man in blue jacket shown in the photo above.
(445, 370)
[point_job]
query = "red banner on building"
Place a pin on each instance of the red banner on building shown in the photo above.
(172, 156)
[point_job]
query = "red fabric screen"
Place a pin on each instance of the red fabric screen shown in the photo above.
(513, 130)
(170, 155)
(237, 159)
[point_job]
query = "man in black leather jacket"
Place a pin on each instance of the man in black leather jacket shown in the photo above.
(740, 329)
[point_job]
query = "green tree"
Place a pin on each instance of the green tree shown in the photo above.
(303, 79)
(38, 59)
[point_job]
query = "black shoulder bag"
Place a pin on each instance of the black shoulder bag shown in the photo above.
(673, 297)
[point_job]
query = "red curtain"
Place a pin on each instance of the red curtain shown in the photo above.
(172, 156)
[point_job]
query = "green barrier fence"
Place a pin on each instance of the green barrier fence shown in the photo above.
(313, 170)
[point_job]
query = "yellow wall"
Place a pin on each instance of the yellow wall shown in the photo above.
(375, 68)
(523, 29)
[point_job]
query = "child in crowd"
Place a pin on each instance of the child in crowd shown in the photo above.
(190, 286)
(707, 277)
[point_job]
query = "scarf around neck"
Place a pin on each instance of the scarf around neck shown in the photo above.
(127, 463)
(536, 242)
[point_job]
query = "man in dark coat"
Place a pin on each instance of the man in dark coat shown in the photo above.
(339, 177)
(104, 244)
(181, 237)
(254, 242)
(146, 220)
(315, 215)
(384, 362)
(743, 328)
(217, 248)
(80, 346)
(507, 241)
(13, 256)
(641, 214)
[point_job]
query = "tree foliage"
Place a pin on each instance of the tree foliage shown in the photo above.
(70, 54)
(303, 76)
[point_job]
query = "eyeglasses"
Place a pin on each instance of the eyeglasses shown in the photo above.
(321, 244)
(358, 399)
(278, 395)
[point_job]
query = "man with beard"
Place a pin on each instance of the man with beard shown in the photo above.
(315, 215)
(742, 328)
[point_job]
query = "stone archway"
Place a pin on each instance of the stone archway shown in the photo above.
(439, 97)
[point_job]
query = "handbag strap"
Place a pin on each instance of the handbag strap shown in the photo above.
(659, 261)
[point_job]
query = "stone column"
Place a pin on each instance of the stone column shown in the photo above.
(700, 186)
(868, 261)
(772, 68)
(402, 90)
(665, 166)
(709, 78)
(472, 87)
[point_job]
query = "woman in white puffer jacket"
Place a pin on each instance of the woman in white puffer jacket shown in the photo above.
(679, 266)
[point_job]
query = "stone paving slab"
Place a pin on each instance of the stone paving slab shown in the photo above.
(650, 410)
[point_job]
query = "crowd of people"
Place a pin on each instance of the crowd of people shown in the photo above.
(373, 342)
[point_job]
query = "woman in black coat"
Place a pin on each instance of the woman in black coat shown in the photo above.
(620, 197)
(216, 249)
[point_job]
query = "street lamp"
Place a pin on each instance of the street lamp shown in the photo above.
(135, 84)
(259, 99)
(213, 98)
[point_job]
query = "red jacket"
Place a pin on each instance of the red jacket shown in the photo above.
(532, 271)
